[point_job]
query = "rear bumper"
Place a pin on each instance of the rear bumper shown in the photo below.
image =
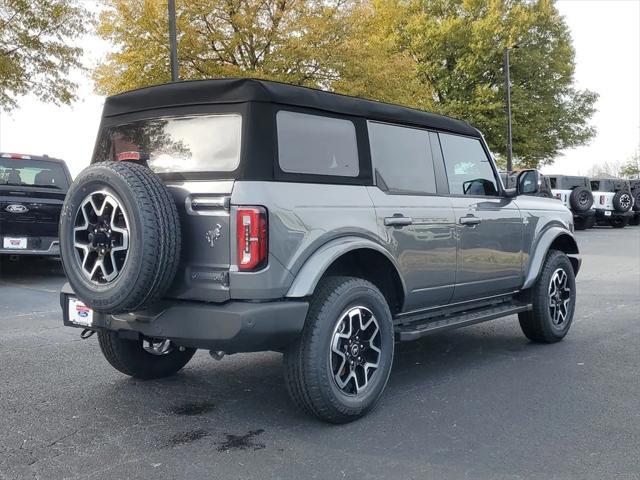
(35, 246)
(584, 215)
(231, 327)
(600, 214)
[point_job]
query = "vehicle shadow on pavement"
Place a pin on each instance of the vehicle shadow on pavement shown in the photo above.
(26, 269)
(250, 388)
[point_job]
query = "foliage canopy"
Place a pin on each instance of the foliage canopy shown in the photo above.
(439, 55)
(37, 51)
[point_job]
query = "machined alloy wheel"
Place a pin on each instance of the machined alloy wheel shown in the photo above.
(157, 347)
(101, 237)
(553, 300)
(120, 237)
(559, 297)
(625, 201)
(338, 368)
(355, 350)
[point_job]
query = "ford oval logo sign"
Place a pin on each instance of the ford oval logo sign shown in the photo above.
(16, 208)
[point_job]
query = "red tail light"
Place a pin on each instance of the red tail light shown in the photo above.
(123, 156)
(252, 238)
(601, 199)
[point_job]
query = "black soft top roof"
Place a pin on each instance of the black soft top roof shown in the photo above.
(581, 177)
(240, 90)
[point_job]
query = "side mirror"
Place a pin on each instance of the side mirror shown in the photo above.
(528, 182)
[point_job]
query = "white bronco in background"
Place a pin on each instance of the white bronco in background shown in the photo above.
(575, 193)
(613, 201)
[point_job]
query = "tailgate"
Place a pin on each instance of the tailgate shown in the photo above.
(203, 207)
(30, 213)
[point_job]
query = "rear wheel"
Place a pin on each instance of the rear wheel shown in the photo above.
(553, 298)
(619, 222)
(145, 359)
(339, 367)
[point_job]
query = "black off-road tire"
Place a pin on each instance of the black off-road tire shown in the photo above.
(128, 357)
(583, 223)
(580, 199)
(154, 244)
(308, 373)
(636, 199)
(619, 222)
(537, 324)
(622, 201)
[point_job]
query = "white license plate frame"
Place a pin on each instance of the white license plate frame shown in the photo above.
(14, 243)
(79, 313)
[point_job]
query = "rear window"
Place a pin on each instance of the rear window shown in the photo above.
(33, 173)
(198, 143)
(317, 145)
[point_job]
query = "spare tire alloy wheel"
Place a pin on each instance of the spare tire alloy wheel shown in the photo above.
(119, 237)
(355, 350)
(101, 237)
(622, 201)
(581, 199)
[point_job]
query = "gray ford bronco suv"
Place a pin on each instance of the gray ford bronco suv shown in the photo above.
(240, 215)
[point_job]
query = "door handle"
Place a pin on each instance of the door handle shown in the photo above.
(397, 221)
(470, 220)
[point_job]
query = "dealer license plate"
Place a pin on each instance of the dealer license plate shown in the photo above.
(79, 313)
(15, 243)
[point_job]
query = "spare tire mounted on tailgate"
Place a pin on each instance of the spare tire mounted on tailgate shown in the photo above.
(119, 237)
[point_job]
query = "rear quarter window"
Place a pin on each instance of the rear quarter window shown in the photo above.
(316, 145)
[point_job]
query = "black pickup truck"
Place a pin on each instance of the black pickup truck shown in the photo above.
(32, 189)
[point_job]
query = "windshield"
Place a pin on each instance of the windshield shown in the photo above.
(199, 143)
(32, 173)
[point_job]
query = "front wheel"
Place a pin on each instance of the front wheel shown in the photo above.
(553, 298)
(339, 367)
(145, 359)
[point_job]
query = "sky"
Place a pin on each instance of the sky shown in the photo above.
(606, 37)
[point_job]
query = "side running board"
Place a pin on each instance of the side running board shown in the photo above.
(417, 328)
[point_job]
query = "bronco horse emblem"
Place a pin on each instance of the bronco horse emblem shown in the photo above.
(213, 235)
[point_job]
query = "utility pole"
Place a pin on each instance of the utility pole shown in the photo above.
(173, 43)
(507, 95)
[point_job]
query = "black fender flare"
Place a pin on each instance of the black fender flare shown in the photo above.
(555, 236)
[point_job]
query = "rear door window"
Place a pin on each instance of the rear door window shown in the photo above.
(317, 145)
(402, 158)
(197, 143)
(33, 173)
(469, 171)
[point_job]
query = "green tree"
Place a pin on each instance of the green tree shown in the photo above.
(37, 51)
(297, 41)
(631, 169)
(458, 46)
(438, 55)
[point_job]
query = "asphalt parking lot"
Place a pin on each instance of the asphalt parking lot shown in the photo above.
(476, 403)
